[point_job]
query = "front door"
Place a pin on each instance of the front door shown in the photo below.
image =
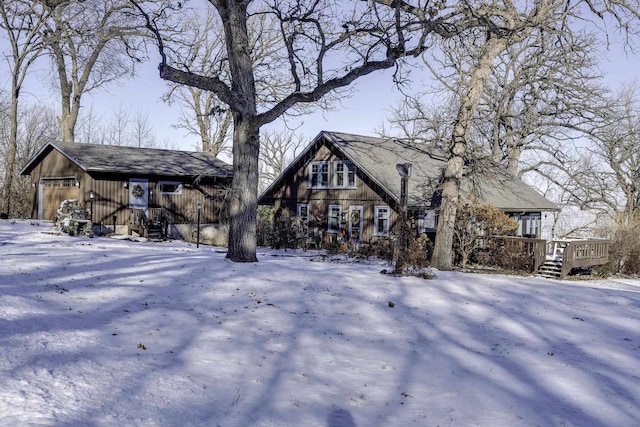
(355, 223)
(139, 194)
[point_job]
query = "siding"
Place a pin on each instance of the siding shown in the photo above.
(111, 196)
(296, 190)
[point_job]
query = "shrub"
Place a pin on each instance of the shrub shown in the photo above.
(624, 252)
(264, 225)
(419, 251)
(474, 224)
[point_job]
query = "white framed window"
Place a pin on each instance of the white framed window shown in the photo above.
(319, 175)
(528, 224)
(381, 220)
(169, 187)
(334, 219)
(426, 220)
(533, 225)
(303, 219)
(344, 174)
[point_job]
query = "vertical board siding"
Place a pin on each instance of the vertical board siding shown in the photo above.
(111, 193)
(296, 190)
(112, 198)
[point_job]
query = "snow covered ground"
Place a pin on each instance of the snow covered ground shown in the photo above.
(104, 332)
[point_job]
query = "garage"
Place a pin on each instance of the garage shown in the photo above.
(54, 192)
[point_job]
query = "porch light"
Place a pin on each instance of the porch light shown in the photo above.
(404, 170)
(125, 185)
(77, 183)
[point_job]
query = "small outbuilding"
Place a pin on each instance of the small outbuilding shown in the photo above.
(122, 186)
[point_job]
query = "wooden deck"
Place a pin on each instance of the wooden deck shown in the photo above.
(584, 253)
(559, 257)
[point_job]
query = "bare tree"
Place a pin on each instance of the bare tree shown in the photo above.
(21, 21)
(541, 93)
(38, 126)
(506, 26)
(89, 126)
(416, 121)
(610, 181)
(117, 129)
(277, 150)
(92, 43)
(613, 182)
(205, 115)
(322, 47)
(141, 133)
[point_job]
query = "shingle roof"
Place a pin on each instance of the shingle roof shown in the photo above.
(136, 161)
(378, 157)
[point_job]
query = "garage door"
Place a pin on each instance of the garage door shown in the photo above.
(54, 192)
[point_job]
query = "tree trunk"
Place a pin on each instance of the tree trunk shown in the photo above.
(443, 248)
(243, 205)
(69, 117)
(513, 158)
(12, 147)
(244, 192)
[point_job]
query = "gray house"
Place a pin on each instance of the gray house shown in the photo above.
(344, 183)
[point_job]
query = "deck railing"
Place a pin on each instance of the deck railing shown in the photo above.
(574, 254)
(140, 221)
(584, 253)
(535, 249)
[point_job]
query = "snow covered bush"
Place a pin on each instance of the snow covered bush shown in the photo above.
(71, 218)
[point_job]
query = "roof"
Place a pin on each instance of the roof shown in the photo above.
(378, 157)
(96, 158)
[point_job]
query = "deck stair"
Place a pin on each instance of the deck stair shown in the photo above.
(151, 224)
(551, 269)
(155, 231)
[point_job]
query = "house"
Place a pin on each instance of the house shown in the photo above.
(120, 183)
(343, 183)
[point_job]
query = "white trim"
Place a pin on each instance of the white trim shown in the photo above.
(329, 229)
(360, 209)
(178, 185)
(376, 213)
(427, 220)
(345, 174)
(300, 217)
(41, 191)
(319, 174)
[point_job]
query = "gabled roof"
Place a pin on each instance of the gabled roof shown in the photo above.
(378, 157)
(95, 158)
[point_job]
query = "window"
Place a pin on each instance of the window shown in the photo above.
(381, 221)
(319, 175)
(426, 220)
(344, 174)
(303, 219)
(532, 224)
(335, 217)
(528, 225)
(169, 187)
(59, 182)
